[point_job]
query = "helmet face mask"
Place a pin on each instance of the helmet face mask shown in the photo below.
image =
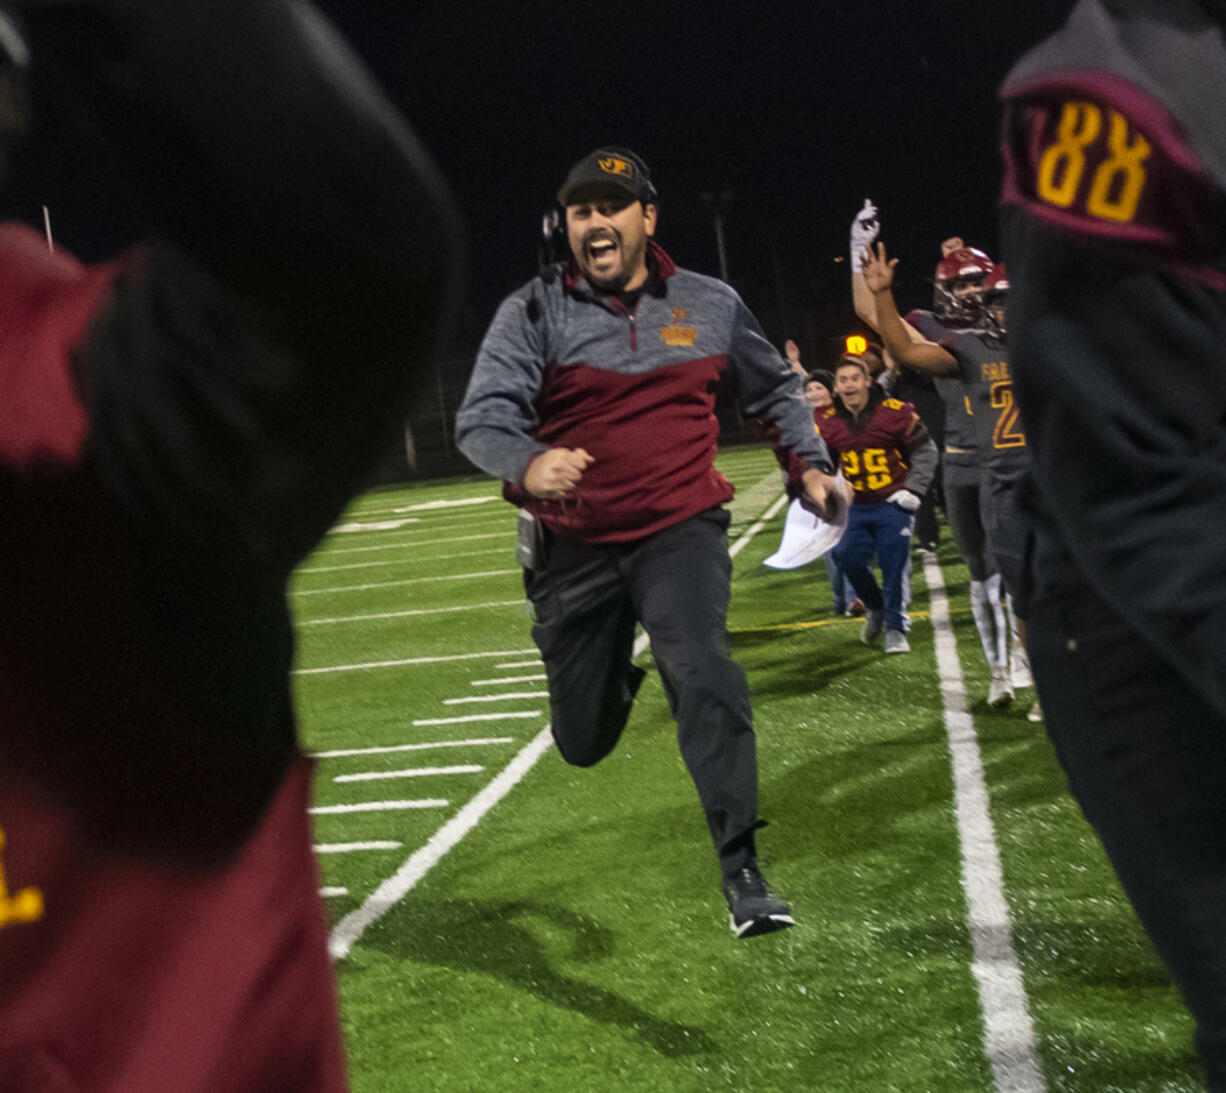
(958, 286)
(996, 299)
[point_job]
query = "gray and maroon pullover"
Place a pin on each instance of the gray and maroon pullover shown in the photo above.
(563, 366)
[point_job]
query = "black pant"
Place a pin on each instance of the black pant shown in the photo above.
(1146, 759)
(676, 582)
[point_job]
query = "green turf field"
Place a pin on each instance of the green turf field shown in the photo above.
(505, 922)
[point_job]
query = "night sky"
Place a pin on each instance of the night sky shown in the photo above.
(798, 110)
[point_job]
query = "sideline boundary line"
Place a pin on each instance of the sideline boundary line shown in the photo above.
(1008, 1030)
(351, 927)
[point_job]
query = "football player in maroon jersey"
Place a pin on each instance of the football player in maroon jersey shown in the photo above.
(1114, 218)
(177, 430)
(889, 459)
(955, 342)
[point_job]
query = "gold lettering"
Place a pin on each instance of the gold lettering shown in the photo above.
(678, 335)
(25, 905)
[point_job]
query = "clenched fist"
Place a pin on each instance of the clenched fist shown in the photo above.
(552, 475)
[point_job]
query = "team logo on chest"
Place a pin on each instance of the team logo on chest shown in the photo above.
(675, 333)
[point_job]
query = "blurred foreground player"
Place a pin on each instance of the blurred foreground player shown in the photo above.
(593, 399)
(177, 429)
(1115, 229)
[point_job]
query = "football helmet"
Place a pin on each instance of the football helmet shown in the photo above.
(957, 290)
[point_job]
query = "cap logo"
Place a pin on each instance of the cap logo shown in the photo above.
(614, 166)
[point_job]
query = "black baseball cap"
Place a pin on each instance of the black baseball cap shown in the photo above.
(822, 376)
(613, 167)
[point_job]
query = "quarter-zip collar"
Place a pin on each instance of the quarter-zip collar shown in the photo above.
(660, 267)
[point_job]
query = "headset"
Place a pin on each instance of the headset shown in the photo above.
(554, 247)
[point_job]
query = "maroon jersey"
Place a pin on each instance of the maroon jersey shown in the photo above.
(873, 449)
(1114, 217)
(176, 434)
(124, 975)
(160, 926)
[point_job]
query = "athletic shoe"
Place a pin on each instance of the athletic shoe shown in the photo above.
(1000, 690)
(856, 608)
(753, 908)
(1036, 713)
(1019, 668)
(896, 642)
(874, 623)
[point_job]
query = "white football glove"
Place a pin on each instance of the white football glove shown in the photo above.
(905, 500)
(864, 232)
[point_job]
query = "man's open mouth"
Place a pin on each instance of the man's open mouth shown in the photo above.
(601, 248)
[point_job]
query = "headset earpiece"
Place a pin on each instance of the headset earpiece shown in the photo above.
(554, 248)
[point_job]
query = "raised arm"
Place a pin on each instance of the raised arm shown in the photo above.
(864, 231)
(905, 344)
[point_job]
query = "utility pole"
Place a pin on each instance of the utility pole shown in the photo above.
(718, 204)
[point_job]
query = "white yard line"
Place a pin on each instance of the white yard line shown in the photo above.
(757, 526)
(408, 614)
(328, 893)
(408, 661)
(353, 848)
(412, 772)
(472, 743)
(377, 806)
(306, 570)
(506, 697)
(395, 888)
(508, 679)
(327, 552)
(1009, 1040)
(436, 511)
(378, 525)
(407, 581)
(518, 715)
(519, 663)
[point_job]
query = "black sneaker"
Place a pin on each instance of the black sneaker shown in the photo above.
(753, 908)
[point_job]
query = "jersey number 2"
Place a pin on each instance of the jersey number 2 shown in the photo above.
(1007, 434)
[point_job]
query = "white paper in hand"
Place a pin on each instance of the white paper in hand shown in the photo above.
(806, 536)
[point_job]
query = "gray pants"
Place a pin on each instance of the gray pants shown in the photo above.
(587, 599)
